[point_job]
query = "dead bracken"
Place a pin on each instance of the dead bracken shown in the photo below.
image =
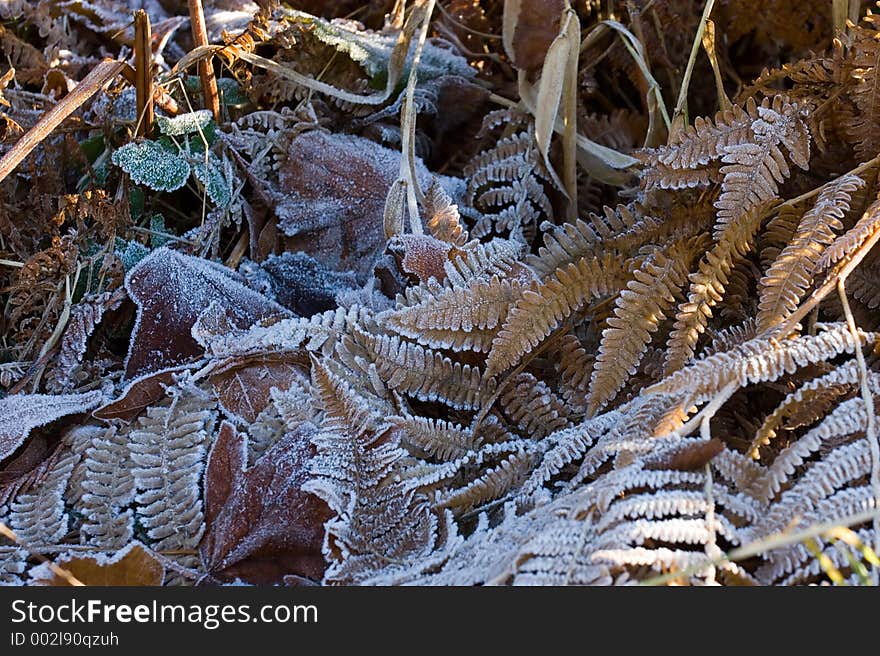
(439, 292)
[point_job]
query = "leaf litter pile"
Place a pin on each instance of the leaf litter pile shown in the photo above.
(448, 292)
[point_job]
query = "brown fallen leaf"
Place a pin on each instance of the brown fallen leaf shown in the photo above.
(529, 29)
(171, 290)
(133, 565)
(260, 526)
(334, 188)
(26, 467)
(422, 255)
(243, 385)
(140, 394)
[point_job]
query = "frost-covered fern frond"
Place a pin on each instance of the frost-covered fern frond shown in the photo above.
(38, 515)
(506, 185)
(638, 311)
(108, 490)
(460, 318)
(760, 360)
(168, 450)
(785, 282)
(380, 523)
(542, 307)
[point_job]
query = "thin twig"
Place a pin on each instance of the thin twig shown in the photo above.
(90, 85)
(871, 428)
(206, 69)
(678, 116)
(143, 65)
(408, 112)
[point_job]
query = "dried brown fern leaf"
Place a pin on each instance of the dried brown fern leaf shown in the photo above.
(543, 307)
(438, 316)
(752, 172)
(533, 407)
(707, 286)
(838, 253)
(639, 310)
(779, 231)
(813, 398)
(763, 359)
(753, 169)
(425, 374)
(573, 364)
(435, 437)
(692, 149)
(493, 483)
(862, 282)
(84, 319)
(863, 127)
(788, 278)
(623, 229)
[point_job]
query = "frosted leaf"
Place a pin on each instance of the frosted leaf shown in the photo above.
(217, 178)
(130, 252)
(260, 524)
(334, 188)
(20, 414)
(125, 106)
(157, 240)
(171, 290)
(298, 281)
(150, 164)
(372, 50)
(184, 123)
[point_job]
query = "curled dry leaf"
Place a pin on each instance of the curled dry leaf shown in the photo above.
(260, 526)
(133, 565)
(140, 394)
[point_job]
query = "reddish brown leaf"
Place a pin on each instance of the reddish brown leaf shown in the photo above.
(243, 387)
(537, 24)
(140, 394)
(334, 188)
(32, 462)
(132, 565)
(21, 413)
(421, 255)
(171, 290)
(260, 526)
